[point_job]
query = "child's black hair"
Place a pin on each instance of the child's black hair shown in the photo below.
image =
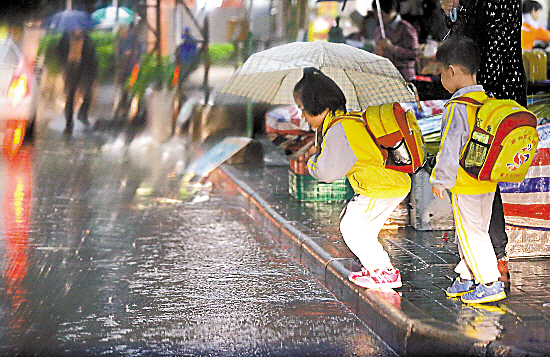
(461, 51)
(318, 92)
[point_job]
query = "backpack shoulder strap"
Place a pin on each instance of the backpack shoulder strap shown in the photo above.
(350, 115)
(472, 98)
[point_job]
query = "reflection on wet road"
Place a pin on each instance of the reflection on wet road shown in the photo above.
(91, 268)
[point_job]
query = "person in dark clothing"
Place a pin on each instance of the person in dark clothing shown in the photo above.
(428, 20)
(187, 56)
(400, 43)
(77, 54)
(335, 33)
(369, 25)
(495, 25)
(128, 52)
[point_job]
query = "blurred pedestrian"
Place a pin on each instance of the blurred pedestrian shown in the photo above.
(186, 56)
(459, 59)
(77, 54)
(347, 150)
(128, 51)
(532, 31)
(369, 25)
(495, 25)
(426, 17)
(335, 33)
(400, 44)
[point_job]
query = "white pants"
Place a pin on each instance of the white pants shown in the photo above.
(472, 214)
(363, 219)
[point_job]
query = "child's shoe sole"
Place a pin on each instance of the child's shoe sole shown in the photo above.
(377, 286)
(453, 295)
(471, 299)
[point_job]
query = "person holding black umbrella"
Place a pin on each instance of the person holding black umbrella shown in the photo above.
(77, 54)
(396, 39)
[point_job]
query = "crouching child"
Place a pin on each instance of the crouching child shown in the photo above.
(346, 149)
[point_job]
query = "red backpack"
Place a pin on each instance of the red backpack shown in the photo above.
(397, 135)
(503, 142)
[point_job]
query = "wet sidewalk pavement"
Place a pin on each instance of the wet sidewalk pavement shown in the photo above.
(417, 319)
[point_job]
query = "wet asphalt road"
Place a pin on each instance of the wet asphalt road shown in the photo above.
(101, 255)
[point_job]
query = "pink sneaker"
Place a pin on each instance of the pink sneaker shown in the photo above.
(356, 274)
(378, 279)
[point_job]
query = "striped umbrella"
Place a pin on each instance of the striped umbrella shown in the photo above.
(108, 17)
(365, 78)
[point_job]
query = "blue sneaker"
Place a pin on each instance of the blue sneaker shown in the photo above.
(460, 288)
(485, 293)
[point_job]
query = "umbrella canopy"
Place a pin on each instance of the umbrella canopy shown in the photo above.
(70, 20)
(107, 16)
(365, 78)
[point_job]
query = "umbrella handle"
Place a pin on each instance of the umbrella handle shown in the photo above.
(380, 19)
(413, 89)
(316, 138)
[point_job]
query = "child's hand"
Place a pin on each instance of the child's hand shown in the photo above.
(438, 192)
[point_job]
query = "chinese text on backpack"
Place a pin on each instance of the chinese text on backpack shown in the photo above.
(503, 142)
(397, 135)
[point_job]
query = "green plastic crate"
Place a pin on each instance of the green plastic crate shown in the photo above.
(308, 189)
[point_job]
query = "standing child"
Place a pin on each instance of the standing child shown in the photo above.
(472, 199)
(348, 150)
(495, 25)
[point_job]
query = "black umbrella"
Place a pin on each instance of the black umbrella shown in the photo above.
(70, 20)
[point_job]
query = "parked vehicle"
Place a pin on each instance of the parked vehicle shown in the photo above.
(19, 87)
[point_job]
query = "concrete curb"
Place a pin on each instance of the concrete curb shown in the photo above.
(410, 333)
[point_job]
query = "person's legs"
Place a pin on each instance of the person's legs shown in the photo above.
(69, 109)
(71, 85)
(362, 221)
(472, 216)
(497, 230)
(360, 225)
(85, 107)
(499, 238)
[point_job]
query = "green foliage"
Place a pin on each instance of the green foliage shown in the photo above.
(221, 53)
(103, 38)
(152, 73)
(106, 62)
(46, 47)
(105, 47)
